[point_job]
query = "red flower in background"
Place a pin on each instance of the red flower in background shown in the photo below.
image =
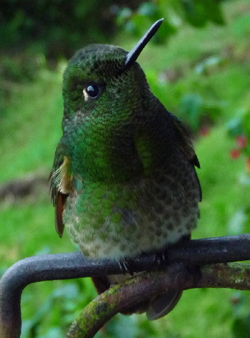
(204, 131)
(234, 154)
(241, 141)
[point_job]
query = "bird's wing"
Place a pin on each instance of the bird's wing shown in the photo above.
(185, 142)
(186, 145)
(60, 185)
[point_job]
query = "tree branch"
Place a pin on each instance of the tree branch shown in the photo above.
(75, 265)
(176, 276)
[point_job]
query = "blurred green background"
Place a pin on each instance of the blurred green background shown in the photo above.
(198, 66)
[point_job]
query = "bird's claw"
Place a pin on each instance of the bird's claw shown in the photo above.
(160, 257)
(125, 266)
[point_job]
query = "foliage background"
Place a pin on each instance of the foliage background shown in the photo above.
(199, 68)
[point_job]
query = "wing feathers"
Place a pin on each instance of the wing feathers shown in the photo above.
(60, 186)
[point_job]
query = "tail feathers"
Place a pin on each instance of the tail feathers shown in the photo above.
(162, 304)
(155, 308)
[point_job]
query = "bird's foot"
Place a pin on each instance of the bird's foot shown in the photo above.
(161, 257)
(125, 266)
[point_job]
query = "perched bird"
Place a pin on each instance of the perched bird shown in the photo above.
(123, 179)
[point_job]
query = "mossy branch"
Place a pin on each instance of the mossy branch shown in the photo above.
(148, 284)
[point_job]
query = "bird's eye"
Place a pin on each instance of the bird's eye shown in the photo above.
(92, 91)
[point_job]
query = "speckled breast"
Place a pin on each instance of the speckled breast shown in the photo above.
(123, 220)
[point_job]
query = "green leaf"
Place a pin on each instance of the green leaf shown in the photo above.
(234, 126)
(194, 12)
(198, 12)
(241, 327)
(191, 110)
(147, 9)
(214, 12)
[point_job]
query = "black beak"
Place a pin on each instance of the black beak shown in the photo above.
(135, 52)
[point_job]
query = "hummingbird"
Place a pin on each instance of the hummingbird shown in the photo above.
(123, 180)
